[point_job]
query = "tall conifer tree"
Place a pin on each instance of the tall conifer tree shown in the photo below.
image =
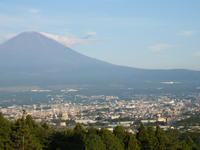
(120, 133)
(131, 142)
(162, 138)
(5, 132)
(110, 141)
(21, 136)
(143, 137)
(191, 144)
(94, 142)
(153, 142)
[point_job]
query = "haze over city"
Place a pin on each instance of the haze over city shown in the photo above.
(141, 34)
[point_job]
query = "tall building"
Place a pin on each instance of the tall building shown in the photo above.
(64, 116)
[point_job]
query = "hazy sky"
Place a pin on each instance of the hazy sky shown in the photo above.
(153, 34)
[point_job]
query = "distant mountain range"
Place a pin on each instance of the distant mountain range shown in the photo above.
(31, 58)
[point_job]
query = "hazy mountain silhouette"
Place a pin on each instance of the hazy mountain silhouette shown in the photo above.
(31, 57)
(31, 52)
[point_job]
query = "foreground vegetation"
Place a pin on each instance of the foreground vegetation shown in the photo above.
(25, 134)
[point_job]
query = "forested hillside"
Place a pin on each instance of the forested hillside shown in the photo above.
(26, 134)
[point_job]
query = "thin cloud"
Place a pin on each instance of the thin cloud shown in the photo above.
(161, 56)
(7, 37)
(197, 54)
(65, 40)
(160, 47)
(186, 33)
(89, 34)
(33, 11)
(69, 42)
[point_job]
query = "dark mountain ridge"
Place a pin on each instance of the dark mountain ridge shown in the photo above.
(31, 58)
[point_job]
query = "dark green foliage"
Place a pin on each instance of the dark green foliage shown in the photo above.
(45, 136)
(58, 141)
(94, 142)
(22, 137)
(191, 144)
(5, 132)
(184, 146)
(71, 139)
(195, 136)
(143, 137)
(92, 130)
(188, 121)
(99, 118)
(71, 122)
(79, 129)
(41, 134)
(119, 132)
(152, 141)
(32, 125)
(110, 141)
(79, 135)
(27, 134)
(162, 139)
(45, 126)
(23, 134)
(173, 136)
(131, 143)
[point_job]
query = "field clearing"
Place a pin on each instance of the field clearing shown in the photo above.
(19, 88)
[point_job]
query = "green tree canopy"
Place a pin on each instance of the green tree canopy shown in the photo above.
(143, 137)
(22, 137)
(191, 144)
(109, 140)
(162, 138)
(120, 133)
(94, 142)
(92, 130)
(45, 126)
(5, 131)
(152, 141)
(131, 143)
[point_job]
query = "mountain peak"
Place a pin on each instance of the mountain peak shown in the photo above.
(31, 52)
(29, 39)
(33, 56)
(29, 32)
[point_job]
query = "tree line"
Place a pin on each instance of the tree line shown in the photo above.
(26, 134)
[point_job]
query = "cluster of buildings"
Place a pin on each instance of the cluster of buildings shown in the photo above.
(105, 109)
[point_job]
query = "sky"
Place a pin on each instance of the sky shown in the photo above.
(150, 34)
